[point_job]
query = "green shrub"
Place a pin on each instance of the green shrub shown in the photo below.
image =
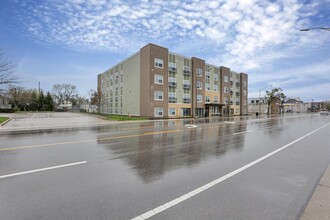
(7, 110)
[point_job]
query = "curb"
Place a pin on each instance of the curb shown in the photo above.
(318, 206)
(5, 122)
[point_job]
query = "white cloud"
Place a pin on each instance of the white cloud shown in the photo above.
(247, 34)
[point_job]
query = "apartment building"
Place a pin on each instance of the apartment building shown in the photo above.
(156, 83)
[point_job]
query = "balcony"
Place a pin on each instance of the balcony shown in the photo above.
(186, 86)
(172, 69)
(186, 72)
(172, 99)
(172, 84)
(186, 100)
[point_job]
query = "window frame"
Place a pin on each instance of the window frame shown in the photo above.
(159, 63)
(169, 111)
(156, 95)
(157, 76)
(156, 111)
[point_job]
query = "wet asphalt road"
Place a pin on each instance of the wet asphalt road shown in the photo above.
(129, 169)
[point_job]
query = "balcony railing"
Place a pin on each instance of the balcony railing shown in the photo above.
(186, 86)
(186, 72)
(186, 100)
(172, 99)
(172, 69)
(172, 84)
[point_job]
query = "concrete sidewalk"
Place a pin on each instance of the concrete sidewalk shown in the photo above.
(50, 120)
(319, 205)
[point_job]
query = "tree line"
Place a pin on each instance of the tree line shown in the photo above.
(29, 99)
(36, 100)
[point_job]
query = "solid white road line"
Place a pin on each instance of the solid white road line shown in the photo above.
(180, 199)
(42, 169)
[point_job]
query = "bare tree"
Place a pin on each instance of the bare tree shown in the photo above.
(63, 92)
(18, 96)
(271, 96)
(7, 69)
(93, 97)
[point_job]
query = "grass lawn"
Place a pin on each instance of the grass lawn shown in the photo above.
(123, 118)
(3, 119)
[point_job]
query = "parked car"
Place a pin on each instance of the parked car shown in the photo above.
(324, 112)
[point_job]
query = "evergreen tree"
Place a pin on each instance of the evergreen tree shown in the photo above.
(49, 102)
(41, 101)
(34, 101)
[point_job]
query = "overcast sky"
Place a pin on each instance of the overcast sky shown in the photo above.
(71, 41)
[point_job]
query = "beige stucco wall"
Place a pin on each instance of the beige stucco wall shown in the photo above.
(131, 86)
(178, 107)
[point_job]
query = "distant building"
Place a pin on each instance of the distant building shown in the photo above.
(257, 105)
(294, 105)
(156, 83)
(4, 102)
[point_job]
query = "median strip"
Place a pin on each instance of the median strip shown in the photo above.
(42, 169)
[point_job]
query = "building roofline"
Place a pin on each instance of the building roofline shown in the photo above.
(123, 61)
(152, 44)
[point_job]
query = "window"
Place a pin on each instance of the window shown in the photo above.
(208, 87)
(199, 98)
(226, 100)
(225, 89)
(172, 67)
(199, 72)
(158, 111)
(158, 63)
(172, 97)
(171, 112)
(244, 92)
(244, 102)
(216, 77)
(215, 88)
(186, 82)
(185, 111)
(186, 70)
(158, 79)
(207, 75)
(199, 85)
(244, 83)
(244, 111)
(216, 99)
(171, 64)
(207, 99)
(225, 78)
(186, 96)
(158, 95)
